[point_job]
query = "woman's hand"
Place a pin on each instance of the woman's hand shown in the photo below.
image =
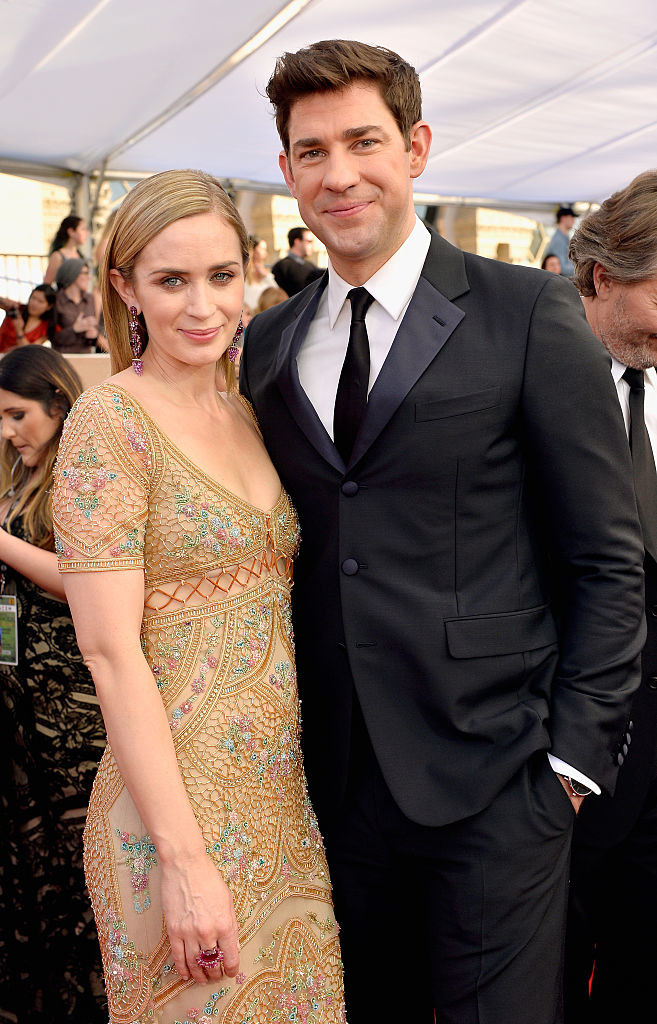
(199, 914)
(19, 329)
(92, 327)
(81, 324)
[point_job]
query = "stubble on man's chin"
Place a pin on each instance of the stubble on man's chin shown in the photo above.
(625, 343)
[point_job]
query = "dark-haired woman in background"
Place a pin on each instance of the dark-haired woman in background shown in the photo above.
(51, 730)
(71, 234)
(28, 324)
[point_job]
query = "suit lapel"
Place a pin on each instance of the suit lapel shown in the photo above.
(286, 376)
(428, 322)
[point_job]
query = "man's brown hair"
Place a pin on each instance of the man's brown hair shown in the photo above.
(621, 236)
(334, 64)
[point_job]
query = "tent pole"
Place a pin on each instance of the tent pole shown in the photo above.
(80, 195)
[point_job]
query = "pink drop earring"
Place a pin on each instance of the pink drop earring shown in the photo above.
(135, 340)
(234, 348)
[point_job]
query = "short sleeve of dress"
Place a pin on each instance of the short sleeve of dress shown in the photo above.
(101, 484)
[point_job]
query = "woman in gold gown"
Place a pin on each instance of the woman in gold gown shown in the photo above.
(202, 856)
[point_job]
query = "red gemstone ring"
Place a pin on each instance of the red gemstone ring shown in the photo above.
(210, 958)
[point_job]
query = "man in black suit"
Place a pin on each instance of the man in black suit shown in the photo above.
(295, 270)
(468, 595)
(612, 918)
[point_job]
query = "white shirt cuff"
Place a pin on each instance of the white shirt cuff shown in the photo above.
(561, 768)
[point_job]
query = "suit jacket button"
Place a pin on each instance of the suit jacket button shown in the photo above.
(350, 567)
(349, 488)
(652, 683)
(625, 750)
(619, 760)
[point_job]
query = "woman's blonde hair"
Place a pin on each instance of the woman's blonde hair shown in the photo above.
(150, 207)
(249, 275)
(42, 375)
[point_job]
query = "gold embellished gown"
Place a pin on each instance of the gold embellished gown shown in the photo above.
(217, 636)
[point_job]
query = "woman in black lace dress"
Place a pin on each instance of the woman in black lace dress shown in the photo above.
(51, 730)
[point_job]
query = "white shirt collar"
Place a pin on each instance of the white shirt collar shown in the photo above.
(618, 369)
(393, 284)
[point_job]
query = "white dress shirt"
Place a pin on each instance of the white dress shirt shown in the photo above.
(323, 350)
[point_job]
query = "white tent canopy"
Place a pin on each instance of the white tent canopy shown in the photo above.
(537, 101)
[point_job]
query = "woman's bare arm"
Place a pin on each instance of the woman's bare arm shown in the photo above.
(35, 563)
(53, 265)
(107, 609)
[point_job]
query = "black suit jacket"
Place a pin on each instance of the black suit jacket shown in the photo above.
(292, 275)
(606, 822)
(475, 571)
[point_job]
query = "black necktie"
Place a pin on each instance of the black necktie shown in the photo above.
(643, 463)
(351, 396)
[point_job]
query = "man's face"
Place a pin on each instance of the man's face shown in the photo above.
(566, 223)
(351, 173)
(304, 246)
(627, 322)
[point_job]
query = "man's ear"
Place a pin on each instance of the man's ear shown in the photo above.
(420, 136)
(284, 165)
(124, 288)
(602, 282)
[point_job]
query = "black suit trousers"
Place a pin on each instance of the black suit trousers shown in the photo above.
(612, 924)
(465, 920)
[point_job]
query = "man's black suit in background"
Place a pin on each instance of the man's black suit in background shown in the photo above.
(612, 918)
(469, 590)
(613, 906)
(292, 274)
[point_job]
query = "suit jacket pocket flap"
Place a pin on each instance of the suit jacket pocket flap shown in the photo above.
(485, 636)
(457, 405)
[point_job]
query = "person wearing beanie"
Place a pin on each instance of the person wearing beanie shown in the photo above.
(558, 244)
(75, 321)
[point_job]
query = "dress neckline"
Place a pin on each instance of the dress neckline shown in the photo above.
(265, 513)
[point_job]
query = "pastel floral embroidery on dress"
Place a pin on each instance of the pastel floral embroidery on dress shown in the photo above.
(256, 628)
(123, 967)
(284, 680)
(267, 952)
(313, 837)
(169, 655)
(87, 475)
(63, 549)
(131, 545)
(196, 1016)
(285, 611)
(289, 532)
(325, 926)
(140, 859)
(135, 436)
(308, 992)
(272, 759)
(233, 848)
(216, 527)
(207, 665)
